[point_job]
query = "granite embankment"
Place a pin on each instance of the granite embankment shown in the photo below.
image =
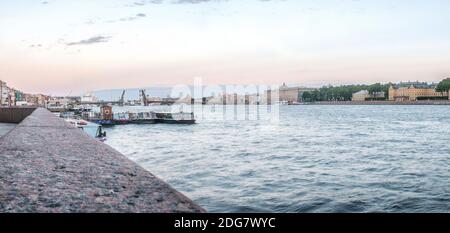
(47, 165)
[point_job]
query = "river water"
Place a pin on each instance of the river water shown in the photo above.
(5, 128)
(311, 159)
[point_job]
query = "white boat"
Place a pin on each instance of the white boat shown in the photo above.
(92, 129)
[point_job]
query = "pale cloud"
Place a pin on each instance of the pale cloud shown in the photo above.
(92, 40)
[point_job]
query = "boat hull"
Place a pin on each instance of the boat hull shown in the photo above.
(143, 121)
(103, 122)
(172, 121)
(121, 122)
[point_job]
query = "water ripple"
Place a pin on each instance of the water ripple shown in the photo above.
(317, 159)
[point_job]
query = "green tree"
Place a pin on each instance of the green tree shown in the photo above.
(306, 96)
(343, 93)
(377, 87)
(444, 85)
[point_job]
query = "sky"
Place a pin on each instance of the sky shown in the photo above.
(64, 47)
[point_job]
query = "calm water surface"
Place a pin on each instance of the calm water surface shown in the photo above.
(317, 159)
(5, 128)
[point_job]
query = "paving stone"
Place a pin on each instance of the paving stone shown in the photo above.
(47, 165)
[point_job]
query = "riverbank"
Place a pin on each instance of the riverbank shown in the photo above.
(50, 166)
(442, 102)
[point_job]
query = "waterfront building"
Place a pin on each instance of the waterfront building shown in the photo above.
(12, 97)
(4, 93)
(413, 91)
(361, 95)
(19, 96)
(37, 99)
(59, 102)
(364, 95)
(233, 99)
(290, 94)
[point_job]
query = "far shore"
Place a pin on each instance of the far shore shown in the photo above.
(424, 102)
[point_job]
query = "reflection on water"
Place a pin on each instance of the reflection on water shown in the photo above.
(315, 159)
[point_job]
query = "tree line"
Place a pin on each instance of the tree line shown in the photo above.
(343, 93)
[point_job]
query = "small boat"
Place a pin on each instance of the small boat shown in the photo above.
(92, 129)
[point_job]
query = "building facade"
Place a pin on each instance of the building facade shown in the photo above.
(364, 95)
(4, 93)
(88, 97)
(37, 99)
(12, 97)
(292, 94)
(414, 91)
(360, 95)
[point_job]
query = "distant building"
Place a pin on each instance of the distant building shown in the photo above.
(88, 97)
(232, 99)
(4, 93)
(413, 91)
(19, 96)
(73, 99)
(361, 95)
(59, 102)
(37, 99)
(417, 84)
(12, 97)
(290, 94)
(364, 95)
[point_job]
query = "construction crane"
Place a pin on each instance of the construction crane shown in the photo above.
(122, 99)
(144, 97)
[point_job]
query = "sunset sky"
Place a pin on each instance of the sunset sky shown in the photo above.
(69, 47)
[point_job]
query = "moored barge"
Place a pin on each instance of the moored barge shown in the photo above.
(106, 117)
(175, 118)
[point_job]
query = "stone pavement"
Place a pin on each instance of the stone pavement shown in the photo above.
(47, 165)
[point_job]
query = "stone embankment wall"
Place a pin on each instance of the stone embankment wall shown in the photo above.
(14, 115)
(47, 165)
